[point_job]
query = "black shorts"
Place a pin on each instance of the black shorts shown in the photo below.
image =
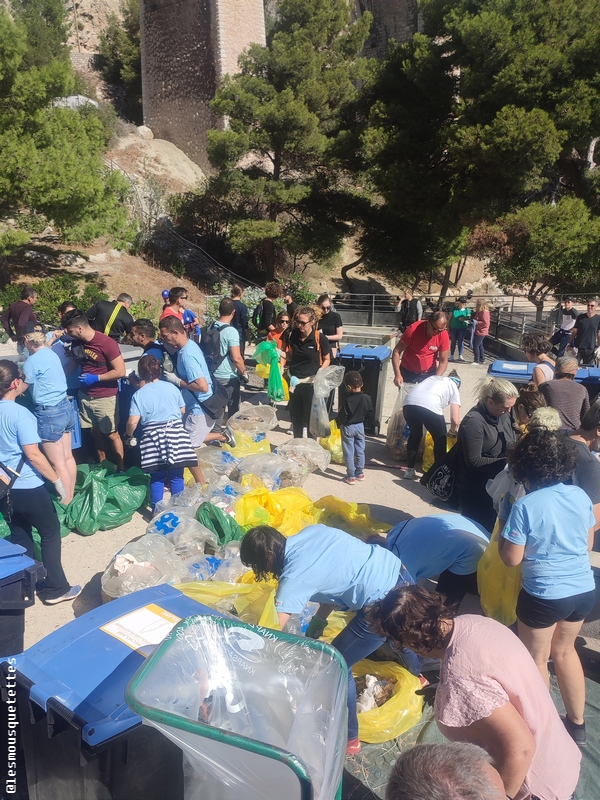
(535, 612)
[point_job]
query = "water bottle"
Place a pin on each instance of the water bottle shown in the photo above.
(202, 569)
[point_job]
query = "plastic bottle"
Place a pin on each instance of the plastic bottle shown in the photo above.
(202, 569)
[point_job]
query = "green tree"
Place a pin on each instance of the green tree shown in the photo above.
(46, 26)
(545, 248)
(286, 111)
(121, 56)
(52, 157)
(491, 108)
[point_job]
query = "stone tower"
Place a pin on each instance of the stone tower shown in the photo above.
(187, 47)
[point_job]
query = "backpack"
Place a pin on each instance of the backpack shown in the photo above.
(210, 344)
(257, 316)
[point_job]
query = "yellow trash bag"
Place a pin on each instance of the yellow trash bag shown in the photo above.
(336, 622)
(400, 713)
(263, 370)
(289, 510)
(246, 444)
(286, 390)
(333, 443)
(354, 518)
(252, 602)
(428, 456)
(498, 585)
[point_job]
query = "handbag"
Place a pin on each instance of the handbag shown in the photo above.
(8, 476)
(214, 406)
(440, 479)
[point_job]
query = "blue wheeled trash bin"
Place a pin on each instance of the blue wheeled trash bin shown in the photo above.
(80, 740)
(521, 372)
(18, 576)
(372, 362)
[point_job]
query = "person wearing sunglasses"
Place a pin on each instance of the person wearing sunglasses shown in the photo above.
(585, 334)
(176, 306)
(330, 324)
(308, 351)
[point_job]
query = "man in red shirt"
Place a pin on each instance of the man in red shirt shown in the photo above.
(422, 351)
(176, 305)
(101, 367)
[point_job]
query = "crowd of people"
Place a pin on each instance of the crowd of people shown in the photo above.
(493, 702)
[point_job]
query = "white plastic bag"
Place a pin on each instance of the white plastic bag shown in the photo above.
(326, 380)
(254, 419)
(306, 452)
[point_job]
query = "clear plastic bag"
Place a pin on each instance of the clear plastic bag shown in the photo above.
(216, 459)
(397, 430)
(190, 497)
(191, 538)
(273, 470)
(328, 379)
(305, 452)
(231, 567)
(213, 680)
(149, 561)
(254, 419)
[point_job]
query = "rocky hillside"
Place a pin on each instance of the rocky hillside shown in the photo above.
(88, 19)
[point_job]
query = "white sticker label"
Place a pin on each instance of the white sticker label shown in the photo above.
(515, 367)
(143, 628)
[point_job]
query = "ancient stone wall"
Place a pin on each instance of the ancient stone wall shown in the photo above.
(187, 47)
(392, 19)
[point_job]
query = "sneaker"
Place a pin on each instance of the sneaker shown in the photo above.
(576, 732)
(73, 592)
(229, 437)
(353, 747)
(460, 358)
(409, 474)
(360, 477)
(451, 358)
(351, 481)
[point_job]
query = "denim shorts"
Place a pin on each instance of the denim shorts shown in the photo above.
(55, 421)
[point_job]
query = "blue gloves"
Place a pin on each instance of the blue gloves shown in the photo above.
(88, 379)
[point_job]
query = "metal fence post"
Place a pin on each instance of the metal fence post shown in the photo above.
(372, 310)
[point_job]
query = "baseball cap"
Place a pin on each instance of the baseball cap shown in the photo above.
(568, 298)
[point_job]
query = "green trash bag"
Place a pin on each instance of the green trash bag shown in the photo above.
(220, 523)
(266, 353)
(104, 500)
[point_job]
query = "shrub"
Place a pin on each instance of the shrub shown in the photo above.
(54, 291)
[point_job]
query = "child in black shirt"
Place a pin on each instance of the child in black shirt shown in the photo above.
(357, 410)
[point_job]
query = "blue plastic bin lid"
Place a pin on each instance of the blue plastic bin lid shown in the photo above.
(379, 352)
(87, 663)
(13, 560)
(588, 375)
(512, 370)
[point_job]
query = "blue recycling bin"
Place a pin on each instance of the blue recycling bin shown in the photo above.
(80, 740)
(521, 372)
(372, 362)
(18, 576)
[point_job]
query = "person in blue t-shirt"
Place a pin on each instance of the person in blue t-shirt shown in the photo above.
(550, 532)
(165, 446)
(28, 504)
(330, 567)
(203, 404)
(448, 545)
(54, 411)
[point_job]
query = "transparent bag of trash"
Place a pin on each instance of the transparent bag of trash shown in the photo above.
(216, 459)
(149, 561)
(254, 419)
(190, 497)
(191, 538)
(273, 470)
(214, 680)
(305, 452)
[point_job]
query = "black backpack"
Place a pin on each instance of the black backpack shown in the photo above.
(257, 316)
(210, 344)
